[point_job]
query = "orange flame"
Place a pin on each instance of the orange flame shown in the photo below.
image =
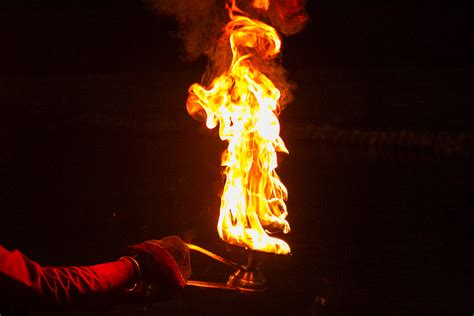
(261, 4)
(245, 104)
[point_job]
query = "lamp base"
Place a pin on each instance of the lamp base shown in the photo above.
(248, 278)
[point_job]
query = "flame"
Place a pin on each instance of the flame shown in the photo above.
(244, 102)
(261, 4)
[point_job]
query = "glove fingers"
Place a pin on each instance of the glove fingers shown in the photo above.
(165, 260)
(178, 250)
(167, 264)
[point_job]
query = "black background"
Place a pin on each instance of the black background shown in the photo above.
(98, 151)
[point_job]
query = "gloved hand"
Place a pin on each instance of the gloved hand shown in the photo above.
(165, 265)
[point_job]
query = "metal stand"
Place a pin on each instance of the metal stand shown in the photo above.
(248, 278)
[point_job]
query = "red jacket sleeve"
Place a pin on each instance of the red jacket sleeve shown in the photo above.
(63, 284)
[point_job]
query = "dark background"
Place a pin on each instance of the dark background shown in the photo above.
(98, 151)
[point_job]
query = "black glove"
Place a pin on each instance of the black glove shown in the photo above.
(165, 265)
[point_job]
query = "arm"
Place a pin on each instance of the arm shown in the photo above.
(159, 268)
(62, 284)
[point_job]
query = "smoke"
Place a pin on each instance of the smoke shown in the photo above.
(200, 22)
(288, 16)
(201, 25)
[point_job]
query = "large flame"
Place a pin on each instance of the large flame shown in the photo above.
(244, 102)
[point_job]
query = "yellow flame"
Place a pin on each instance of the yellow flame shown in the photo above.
(261, 4)
(244, 102)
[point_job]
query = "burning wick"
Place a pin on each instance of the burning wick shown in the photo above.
(244, 102)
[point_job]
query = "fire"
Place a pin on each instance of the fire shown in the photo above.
(244, 102)
(261, 4)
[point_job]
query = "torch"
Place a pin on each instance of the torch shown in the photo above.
(244, 101)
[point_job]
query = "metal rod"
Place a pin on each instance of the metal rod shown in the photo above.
(216, 257)
(209, 285)
(251, 260)
(217, 285)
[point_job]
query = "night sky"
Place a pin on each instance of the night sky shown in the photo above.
(98, 151)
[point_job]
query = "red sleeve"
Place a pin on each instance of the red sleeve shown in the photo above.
(64, 284)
